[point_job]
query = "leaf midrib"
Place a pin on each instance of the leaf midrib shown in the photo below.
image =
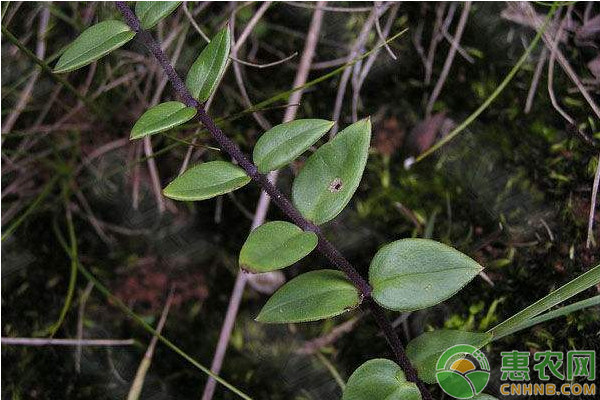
(74, 60)
(403, 275)
(282, 245)
(308, 296)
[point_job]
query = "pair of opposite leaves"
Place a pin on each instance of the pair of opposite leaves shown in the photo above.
(106, 36)
(323, 187)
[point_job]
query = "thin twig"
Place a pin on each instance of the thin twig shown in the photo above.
(364, 71)
(448, 63)
(553, 51)
(65, 342)
(315, 345)
(190, 18)
(237, 70)
(452, 40)
(356, 47)
(382, 36)
(528, 10)
(436, 36)
(140, 375)
(535, 80)
(590, 231)
(85, 295)
(329, 63)
(268, 65)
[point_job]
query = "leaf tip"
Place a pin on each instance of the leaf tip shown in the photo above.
(167, 192)
(260, 318)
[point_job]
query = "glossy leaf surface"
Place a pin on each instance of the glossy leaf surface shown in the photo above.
(331, 174)
(162, 117)
(94, 43)
(424, 350)
(411, 274)
(275, 245)
(209, 67)
(206, 180)
(311, 296)
(150, 12)
(380, 379)
(284, 143)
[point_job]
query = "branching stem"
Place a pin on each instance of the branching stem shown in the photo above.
(324, 246)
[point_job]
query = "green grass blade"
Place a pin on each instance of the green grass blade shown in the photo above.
(580, 305)
(577, 285)
(74, 256)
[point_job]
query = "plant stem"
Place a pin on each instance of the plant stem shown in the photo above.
(324, 246)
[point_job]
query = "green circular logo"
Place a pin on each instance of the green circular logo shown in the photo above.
(462, 371)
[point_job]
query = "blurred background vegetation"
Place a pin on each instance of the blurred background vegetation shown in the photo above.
(513, 190)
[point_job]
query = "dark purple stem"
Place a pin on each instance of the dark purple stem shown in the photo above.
(324, 246)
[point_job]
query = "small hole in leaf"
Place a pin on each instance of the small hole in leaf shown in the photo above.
(336, 185)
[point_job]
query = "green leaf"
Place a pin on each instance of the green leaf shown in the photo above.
(94, 43)
(380, 379)
(311, 296)
(207, 180)
(425, 350)
(331, 175)
(275, 245)
(162, 117)
(577, 285)
(411, 274)
(150, 12)
(283, 143)
(209, 67)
